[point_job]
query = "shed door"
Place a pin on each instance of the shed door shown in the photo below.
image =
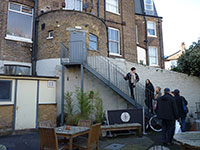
(77, 46)
(26, 104)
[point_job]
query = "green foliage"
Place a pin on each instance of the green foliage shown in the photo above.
(189, 62)
(84, 104)
(90, 107)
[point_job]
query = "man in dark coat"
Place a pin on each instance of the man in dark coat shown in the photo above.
(167, 111)
(182, 114)
(149, 95)
(133, 78)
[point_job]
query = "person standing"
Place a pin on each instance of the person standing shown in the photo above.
(181, 103)
(167, 111)
(157, 95)
(149, 94)
(133, 78)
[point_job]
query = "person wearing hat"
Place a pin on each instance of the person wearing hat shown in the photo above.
(167, 111)
(133, 78)
(181, 102)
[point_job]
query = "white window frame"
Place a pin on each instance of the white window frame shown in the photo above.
(93, 42)
(156, 57)
(110, 53)
(145, 6)
(117, 6)
(17, 38)
(74, 7)
(153, 29)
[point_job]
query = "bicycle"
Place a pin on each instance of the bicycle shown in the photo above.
(155, 124)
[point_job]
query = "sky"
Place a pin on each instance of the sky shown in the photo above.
(181, 23)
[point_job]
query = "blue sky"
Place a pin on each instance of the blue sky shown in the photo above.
(181, 22)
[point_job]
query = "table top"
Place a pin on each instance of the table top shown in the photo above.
(189, 138)
(121, 125)
(72, 130)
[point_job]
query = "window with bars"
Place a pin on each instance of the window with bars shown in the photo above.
(151, 28)
(112, 6)
(93, 42)
(114, 42)
(74, 5)
(153, 56)
(19, 22)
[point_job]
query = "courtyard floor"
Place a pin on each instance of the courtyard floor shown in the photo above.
(151, 141)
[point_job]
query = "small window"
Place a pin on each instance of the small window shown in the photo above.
(20, 19)
(114, 42)
(151, 28)
(93, 42)
(112, 6)
(73, 5)
(6, 90)
(153, 56)
(148, 4)
(16, 70)
(50, 35)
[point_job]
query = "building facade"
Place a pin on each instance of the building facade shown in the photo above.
(34, 31)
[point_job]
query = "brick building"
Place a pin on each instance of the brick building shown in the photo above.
(32, 32)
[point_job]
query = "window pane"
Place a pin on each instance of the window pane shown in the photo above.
(112, 5)
(23, 70)
(5, 88)
(27, 10)
(14, 7)
(148, 1)
(93, 46)
(153, 61)
(151, 32)
(149, 7)
(113, 41)
(93, 42)
(74, 4)
(93, 37)
(19, 25)
(113, 47)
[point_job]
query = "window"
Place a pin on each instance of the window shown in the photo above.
(17, 70)
(148, 4)
(112, 6)
(5, 88)
(151, 28)
(93, 42)
(74, 5)
(20, 19)
(137, 40)
(153, 56)
(114, 43)
(50, 35)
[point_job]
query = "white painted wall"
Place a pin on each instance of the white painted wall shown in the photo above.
(188, 85)
(141, 53)
(47, 92)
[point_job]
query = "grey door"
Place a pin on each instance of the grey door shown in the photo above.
(77, 47)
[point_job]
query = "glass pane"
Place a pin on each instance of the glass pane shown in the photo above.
(19, 25)
(27, 10)
(93, 38)
(151, 32)
(113, 47)
(23, 70)
(70, 4)
(153, 61)
(148, 1)
(5, 88)
(15, 7)
(150, 25)
(149, 7)
(152, 52)
(92, 46)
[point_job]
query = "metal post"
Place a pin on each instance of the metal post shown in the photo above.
(62, 94)
(82, 83)
(143, 121)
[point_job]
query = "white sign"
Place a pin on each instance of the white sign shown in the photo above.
(50, 84)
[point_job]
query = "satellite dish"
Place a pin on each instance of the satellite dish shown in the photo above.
(86, 5)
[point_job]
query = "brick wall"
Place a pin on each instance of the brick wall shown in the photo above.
(6, 116)
(12, 50)
(47, 112)
(68, 19)
(152, 41)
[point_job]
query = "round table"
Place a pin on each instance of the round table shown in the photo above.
(188, 139)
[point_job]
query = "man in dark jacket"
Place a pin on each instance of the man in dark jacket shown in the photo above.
(182, 114)
(133, 78)
(167, 111)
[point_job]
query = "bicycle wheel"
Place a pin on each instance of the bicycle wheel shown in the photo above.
(155, 124)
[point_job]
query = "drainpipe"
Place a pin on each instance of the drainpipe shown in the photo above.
(160, 42)
(105, 11)
(122, 28)
(34, 37)
(146, 40)
(106, 26)
(98, 8)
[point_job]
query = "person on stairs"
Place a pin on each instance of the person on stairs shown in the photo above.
(133, 78)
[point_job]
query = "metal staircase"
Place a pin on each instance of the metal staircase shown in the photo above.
(109, 73)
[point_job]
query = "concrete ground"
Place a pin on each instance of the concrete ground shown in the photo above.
(31, 141)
